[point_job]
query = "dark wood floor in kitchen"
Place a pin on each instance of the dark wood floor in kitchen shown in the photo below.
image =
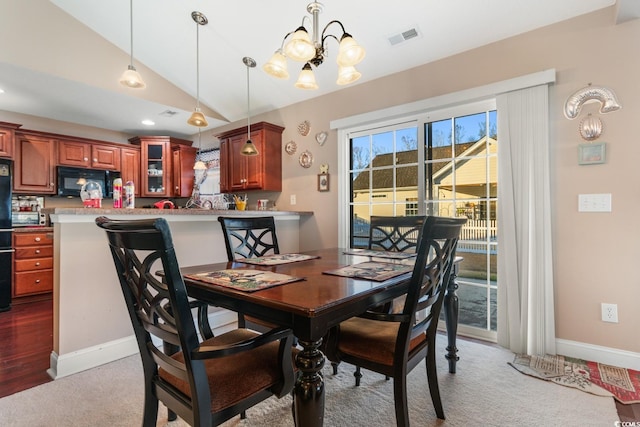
(26, 334)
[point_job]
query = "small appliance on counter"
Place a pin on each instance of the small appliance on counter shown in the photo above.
(91, 194)
(26, 211)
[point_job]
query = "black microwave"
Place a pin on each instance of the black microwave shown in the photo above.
(71, 180)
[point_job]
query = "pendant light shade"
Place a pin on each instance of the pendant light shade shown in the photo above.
(349, 52)
(300, 48)
(347, 75)
(248, 149)
(197, 118)
(131, 78)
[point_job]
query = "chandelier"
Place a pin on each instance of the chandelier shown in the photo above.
(312, 50)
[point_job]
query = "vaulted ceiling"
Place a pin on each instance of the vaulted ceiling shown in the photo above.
(62, 59)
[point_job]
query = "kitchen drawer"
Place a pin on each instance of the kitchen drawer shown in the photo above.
(33, 282)
(31, 239)
(34, 252)
(33, 264)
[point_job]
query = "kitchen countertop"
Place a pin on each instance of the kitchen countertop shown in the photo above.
(34, 229)
(111, 211)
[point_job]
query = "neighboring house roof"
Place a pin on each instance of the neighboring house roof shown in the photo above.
(409, 178)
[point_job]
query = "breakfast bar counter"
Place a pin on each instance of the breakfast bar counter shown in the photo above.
(91, 325)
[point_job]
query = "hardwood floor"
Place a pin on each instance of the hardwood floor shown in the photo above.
(27, 341)
(26, 332)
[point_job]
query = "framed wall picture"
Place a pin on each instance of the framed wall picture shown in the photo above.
(323, 182)
(592, 153)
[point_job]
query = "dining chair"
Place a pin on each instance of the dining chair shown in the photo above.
(205, 382)
(248, 237)
(395, 233)
(394, 343)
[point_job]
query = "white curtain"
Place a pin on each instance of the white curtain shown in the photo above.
(525, 266)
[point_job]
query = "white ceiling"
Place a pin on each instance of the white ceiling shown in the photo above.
(165, 49)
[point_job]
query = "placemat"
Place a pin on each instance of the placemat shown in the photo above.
(381, 254)
(276, 259)
(244, 279)
(377, 271)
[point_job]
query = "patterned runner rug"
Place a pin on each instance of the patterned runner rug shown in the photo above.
(602, 380)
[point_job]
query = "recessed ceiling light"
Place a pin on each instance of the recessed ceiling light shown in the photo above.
(148, 122)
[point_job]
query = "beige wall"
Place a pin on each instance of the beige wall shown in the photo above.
(594, 253)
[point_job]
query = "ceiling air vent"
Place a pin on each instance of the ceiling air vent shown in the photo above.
(168, 113)
(403, 36)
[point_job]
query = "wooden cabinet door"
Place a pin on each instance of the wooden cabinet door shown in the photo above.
(155, 167)
(105, 157)
(6, 143)
(237, 164)
(34, 164)
(183, 174)
(224, 166)
(130, 167)
(74, 153)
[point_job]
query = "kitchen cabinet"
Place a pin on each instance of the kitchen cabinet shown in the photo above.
(35, 162)
(7, 134)
(33, 263)
(184, 157)
(130, 167)
(261, 172)
(156, 165)
(88, 155)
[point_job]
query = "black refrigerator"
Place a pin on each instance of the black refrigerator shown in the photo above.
(6, 234)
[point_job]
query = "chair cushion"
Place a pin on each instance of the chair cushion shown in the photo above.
(234, 378)
(372, 339)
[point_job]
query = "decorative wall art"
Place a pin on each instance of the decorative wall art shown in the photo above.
(606, 97)
(323, 182)
(304, 127)
(290, 148)
(591, 153)
(306, 159)
(590, 128)
(321, 137)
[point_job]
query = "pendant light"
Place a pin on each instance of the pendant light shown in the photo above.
(131, 78)
(197, 118)
(199, 165)
(248, 149)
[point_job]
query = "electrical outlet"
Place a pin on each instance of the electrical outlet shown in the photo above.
(610, 313)
(292, 200)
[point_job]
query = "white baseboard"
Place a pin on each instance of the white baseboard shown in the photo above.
(596, 353)
(90, 357)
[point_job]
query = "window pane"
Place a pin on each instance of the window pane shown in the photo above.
(382, 183)
(360, 187)
(407, 145)
(360, 152)
(383, 209)
(382, 147)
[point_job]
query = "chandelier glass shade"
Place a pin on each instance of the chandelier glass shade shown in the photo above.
(131, 78)
(197, 118)
(299, 46)
(199, 164)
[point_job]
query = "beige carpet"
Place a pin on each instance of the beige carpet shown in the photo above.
(485, 391)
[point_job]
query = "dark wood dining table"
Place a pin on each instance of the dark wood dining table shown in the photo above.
(309, 307)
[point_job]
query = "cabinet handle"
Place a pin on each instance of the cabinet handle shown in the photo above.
(37, 264)
(37, 251)
(37, 281)
(37, 239)
(95, 160)
(85, 159)
(177, 189)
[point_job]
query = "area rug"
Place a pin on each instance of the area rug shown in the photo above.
(595, 378)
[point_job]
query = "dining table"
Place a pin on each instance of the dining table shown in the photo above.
(310, 306)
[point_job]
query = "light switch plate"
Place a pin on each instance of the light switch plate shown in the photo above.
(594, 202)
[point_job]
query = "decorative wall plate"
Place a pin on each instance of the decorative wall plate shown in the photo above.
(321, 137)
(304, 127)
(290, 148)
(306, 159)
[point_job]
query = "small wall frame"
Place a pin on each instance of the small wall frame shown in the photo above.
(592, 153)
(323, 182)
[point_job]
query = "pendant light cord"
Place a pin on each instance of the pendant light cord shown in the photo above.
(248, 107)
(197, 65)
(131, 19)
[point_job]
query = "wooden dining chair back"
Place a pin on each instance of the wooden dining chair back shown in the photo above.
(394, 343)
(248, 237)
(205, 382)
(395, 233)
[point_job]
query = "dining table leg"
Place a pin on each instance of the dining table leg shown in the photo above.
(308, 397)
(451, 308)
